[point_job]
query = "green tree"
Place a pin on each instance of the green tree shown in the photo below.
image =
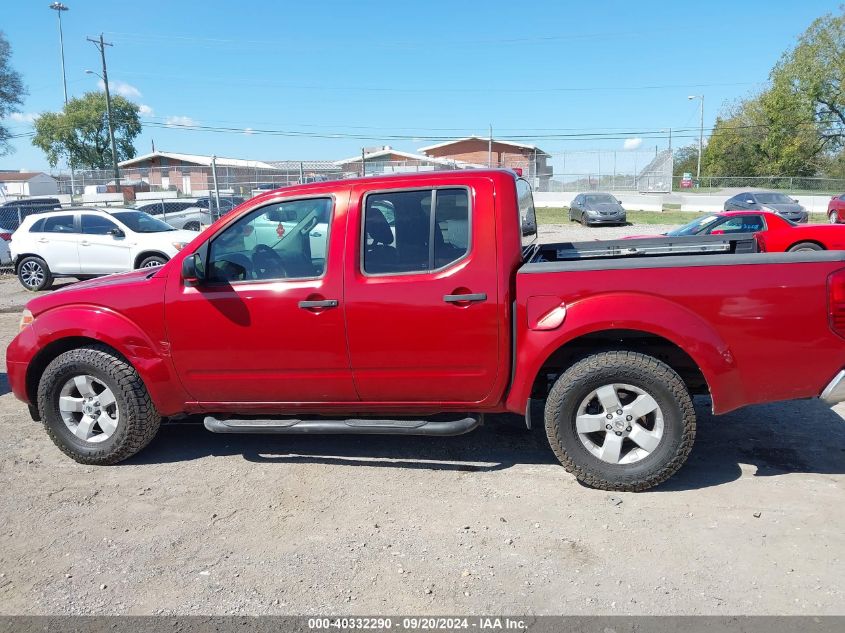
(12, 92)
(685, 159)
(80, 133)
(814, 73)
(796, 126)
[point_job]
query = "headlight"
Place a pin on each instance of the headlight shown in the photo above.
(179, 245)
(26, 320)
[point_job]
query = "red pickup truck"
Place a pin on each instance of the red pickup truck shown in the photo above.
(415, 304)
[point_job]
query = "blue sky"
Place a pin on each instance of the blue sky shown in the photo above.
(404, 69)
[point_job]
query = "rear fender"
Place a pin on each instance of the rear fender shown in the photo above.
(150, 358)
(639, 312)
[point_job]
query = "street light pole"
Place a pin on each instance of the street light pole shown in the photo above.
(700, 134)
(101, 46)
(59, 8)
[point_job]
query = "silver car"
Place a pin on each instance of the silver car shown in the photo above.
(596, 208)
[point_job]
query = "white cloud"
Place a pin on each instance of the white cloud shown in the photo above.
(145, 109)
(122, 88)
(23, 117)
(180, 121)
(632, 143)
(249, 131)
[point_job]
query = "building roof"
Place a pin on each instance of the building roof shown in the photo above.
(17, 176)
(307, 165)
(446, 162)
(199, 159)
(486, 140)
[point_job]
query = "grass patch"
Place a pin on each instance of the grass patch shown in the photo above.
(560, 215)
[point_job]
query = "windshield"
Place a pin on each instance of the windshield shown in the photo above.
(600, 198)
(140, 222)
(694, 227)
(773, 198)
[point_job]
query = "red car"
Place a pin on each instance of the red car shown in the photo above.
(774, 233)
(425, 304)
(836, 209)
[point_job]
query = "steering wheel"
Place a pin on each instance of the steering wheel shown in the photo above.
(266, 263)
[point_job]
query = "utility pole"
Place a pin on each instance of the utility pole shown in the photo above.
(101, 46)
(216, 214)
(490, 148)
(363, 170)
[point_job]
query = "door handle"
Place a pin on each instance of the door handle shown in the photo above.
(325, 303)
(85, 243)
(467, 298)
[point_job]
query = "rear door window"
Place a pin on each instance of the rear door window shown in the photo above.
(415, 231)
(59, 224)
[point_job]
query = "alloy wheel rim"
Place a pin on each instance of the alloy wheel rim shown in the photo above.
(833, 218)
(32, 274)
(88, 408)
(151, 264)
(619, 423)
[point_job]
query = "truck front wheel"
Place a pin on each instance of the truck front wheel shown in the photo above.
(620, 421)
(95, 406)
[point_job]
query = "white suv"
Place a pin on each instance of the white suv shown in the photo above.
(87, 242)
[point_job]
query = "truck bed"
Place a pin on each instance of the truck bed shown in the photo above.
(659, 246)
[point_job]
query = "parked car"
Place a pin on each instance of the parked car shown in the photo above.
(424, 327)
(596, 208)
(774, 233)
(836, 209)
(180, 213)
(772, 201)
(5, 253)
(84, 242)
(210, 213)
(13, 211)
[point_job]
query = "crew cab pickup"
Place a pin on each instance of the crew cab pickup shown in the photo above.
(416, 304)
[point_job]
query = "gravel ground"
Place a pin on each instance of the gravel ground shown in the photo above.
(486, 522)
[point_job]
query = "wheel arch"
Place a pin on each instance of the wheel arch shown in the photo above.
(800, 242)
(72, 327)
(648, 324)
(23, 256)
(148, 253)
(53, 350)
(629, 340)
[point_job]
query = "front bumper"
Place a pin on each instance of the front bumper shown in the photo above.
(605, 219)
(835, 390)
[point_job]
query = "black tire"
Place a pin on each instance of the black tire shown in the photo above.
(34, 274)
(138, 420)
(152, 260)
(805, 246)
(653, 377)
(191, 226)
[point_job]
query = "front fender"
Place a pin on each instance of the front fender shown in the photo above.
(149, 357)
(639, 312)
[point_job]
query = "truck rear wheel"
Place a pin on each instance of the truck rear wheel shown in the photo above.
(95, 407)
(620, 421)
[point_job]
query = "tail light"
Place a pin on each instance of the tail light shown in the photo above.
(836, 301)
(6, 236)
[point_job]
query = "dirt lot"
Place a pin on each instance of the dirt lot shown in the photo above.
(486, 522)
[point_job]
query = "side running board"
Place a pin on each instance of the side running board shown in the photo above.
(456, 426)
